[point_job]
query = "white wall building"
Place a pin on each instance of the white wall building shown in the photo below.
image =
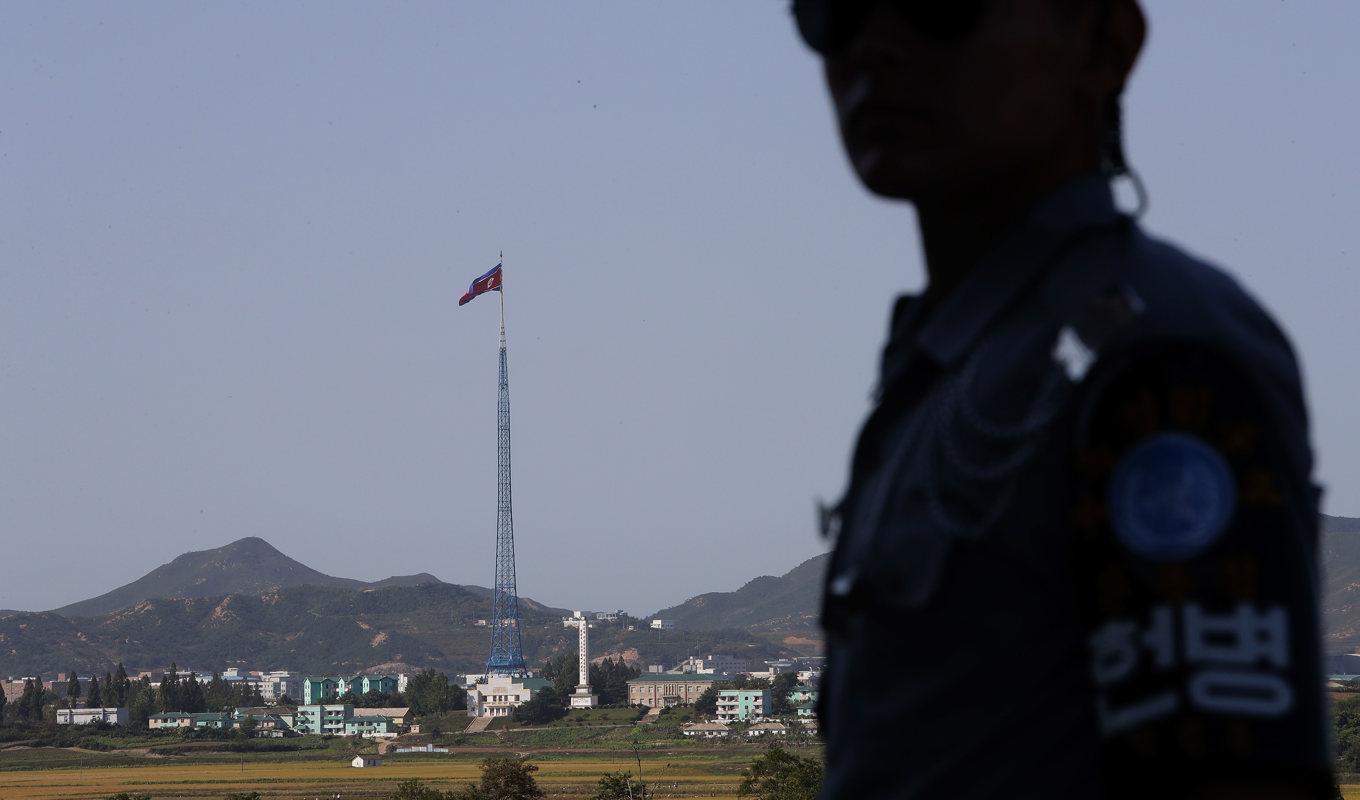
(706, 730)
(499, 695)
(767, 729)
(274, 685)
(663, 624)
(714, 664)
(88, 716)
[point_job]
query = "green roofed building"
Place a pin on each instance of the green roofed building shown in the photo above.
(210, 719)
(316, 690)
(803, 698)
(354, 686)
(370, 726)
(743, 705)
(382, 684)
(322, 719)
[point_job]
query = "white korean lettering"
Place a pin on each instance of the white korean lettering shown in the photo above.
(1113, 652)
(1160, 638)
(1114, 646)
(1241, 637)
(1116, 720)
(1255, 694)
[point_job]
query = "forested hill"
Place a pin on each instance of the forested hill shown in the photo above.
(310, 628)
(246, 566)
(324, 630)
(248, 604)
(788, 603)
(327, 624)
(1340, 559)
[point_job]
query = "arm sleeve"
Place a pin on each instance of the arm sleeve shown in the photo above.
(1196, 535)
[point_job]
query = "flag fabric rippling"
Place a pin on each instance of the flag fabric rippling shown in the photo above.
(490, 281)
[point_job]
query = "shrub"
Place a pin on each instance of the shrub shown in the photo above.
(620, 786)
(779, 775)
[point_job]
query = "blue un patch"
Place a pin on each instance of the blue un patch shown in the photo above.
(1171, 497)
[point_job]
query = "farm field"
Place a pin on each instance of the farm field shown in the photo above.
(673, 774)
(564, 775)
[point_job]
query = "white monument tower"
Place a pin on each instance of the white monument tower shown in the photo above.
(582, 698)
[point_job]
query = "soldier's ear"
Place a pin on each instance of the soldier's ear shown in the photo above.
(1120, 30)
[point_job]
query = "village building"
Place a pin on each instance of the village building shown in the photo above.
(499, 695)
(743, 705)
(398, 715)
(167, 720)
(664, 689)
(705, 730)
(371, 727)
(322, 719)
(767, 729)
(89, 716)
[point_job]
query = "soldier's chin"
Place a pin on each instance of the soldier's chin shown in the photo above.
(896, 175)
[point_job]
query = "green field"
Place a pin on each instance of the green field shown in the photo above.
(684, 771)
(572, 753)
(679, 773)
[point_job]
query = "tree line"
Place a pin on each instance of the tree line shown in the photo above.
(428, 692)
(608, 681)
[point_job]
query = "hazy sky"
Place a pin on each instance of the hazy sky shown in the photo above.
(232, 237)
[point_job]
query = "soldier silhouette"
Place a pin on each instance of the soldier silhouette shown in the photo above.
(1076, 554)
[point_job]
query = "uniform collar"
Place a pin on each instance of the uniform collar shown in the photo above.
(961, 317)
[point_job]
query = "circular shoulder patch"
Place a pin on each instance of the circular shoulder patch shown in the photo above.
(1171, 497)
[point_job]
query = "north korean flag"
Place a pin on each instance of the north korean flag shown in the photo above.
(489, 282)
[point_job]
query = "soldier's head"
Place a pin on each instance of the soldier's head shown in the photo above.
(939, 98)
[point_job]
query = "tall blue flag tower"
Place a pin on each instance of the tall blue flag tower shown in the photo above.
(507, 650)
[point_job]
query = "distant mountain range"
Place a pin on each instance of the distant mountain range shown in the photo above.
(1340, 562)
(788, 603)
(248, 604)
(246, 566)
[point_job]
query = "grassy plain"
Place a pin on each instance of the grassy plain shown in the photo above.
(681, 773)
(63, 774)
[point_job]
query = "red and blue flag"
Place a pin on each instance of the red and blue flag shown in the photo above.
(490, 281)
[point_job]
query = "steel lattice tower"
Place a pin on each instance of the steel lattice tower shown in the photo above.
(507, 651)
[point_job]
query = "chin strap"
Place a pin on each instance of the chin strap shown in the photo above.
(1113, 162)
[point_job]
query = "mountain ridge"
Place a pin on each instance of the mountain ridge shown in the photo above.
(320, 630)
(786, 603)
(417, 619)
(249, 565)
(247, 603)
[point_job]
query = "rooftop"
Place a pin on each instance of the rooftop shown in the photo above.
(382, 712)
(528, 683)
(678, 677)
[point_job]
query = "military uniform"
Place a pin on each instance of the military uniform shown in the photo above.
(1076, 557)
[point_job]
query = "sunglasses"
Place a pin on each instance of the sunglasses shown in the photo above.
(827, 26)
